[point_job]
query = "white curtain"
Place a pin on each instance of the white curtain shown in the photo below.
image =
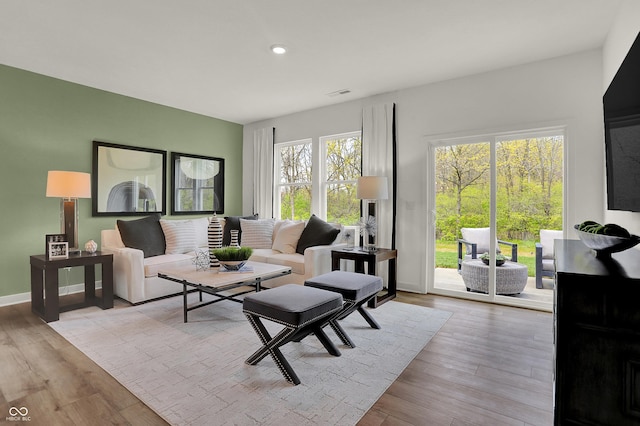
(263, 172)
(378, 159)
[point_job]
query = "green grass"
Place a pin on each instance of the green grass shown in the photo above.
(447, 254)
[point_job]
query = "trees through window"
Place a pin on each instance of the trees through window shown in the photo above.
(319, 176)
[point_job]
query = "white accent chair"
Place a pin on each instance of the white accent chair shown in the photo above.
(476, 241)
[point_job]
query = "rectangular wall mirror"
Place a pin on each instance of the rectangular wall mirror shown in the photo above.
(128, 180)
(197, 184)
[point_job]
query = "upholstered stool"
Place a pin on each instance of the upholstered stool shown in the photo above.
(356, 289)
(301, 310)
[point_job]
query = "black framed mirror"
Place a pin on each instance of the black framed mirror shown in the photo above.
(197, 184)
(128, 180)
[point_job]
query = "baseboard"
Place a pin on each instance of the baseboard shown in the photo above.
(14, 299)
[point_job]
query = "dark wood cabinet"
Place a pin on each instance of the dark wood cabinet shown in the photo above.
(597, 336)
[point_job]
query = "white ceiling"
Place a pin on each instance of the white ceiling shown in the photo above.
(212, 56)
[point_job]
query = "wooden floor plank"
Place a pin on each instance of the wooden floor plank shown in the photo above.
(488, 365)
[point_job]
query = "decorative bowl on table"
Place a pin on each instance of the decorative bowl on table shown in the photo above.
(233, 258)
(604, 245)
(233, 265)
(500, 259)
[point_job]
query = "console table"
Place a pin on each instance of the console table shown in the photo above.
(360, 257)
(44, 283)
(597, 336)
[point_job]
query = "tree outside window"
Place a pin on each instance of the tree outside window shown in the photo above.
(343, 156)
(329, 188)
(294, 165)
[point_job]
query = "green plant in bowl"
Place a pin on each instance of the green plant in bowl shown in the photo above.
(500, 258)
(232, 258)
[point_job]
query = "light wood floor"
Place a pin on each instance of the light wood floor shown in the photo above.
(488, 365)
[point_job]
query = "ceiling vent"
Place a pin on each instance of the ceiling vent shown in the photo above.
(338, 93)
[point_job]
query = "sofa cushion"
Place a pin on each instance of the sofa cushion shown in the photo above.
(233, 222)
(287, 236)
(294, 261)
(480, 236)
(546, 239)
(143, 234)
(179, 235)
(316, 233)
(261, 255)
(156, 263)
(257, 234)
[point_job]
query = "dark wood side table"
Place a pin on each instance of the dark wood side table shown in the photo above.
(44, 283)
(360, 256)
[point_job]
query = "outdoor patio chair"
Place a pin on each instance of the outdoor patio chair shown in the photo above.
(476, 241)
(545, 266)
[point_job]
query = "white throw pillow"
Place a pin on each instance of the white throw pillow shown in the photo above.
(201, 227)
(257, 234)
(287, 236)
(179, 236)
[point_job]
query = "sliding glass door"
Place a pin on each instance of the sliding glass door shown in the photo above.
(490, 196)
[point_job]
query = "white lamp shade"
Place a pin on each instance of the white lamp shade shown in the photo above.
(372, 188)
(68, 184)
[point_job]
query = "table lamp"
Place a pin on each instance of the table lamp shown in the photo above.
(69, 186)
(370, 189)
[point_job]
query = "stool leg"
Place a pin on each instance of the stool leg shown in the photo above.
(271, 347)
(324, 339)
(368, 318)
(337, 328)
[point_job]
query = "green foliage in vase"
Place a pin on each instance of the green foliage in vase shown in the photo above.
(232, 253)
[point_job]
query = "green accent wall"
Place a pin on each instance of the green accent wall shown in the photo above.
(49, 124)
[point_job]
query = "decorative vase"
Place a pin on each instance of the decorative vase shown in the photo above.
(214, 235)
(234, 238)
(91, 246)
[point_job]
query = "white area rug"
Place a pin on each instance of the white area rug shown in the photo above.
(194, 373)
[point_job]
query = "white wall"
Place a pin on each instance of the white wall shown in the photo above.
(566, 90)
(623, 32)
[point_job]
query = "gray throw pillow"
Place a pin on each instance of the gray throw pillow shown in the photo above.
(143, 234)
(316, 233)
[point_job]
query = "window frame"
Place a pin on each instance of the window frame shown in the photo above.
(319, 182)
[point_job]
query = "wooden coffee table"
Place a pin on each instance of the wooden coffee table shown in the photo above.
(214, 283)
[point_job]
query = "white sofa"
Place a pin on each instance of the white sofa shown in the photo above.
(136, 280)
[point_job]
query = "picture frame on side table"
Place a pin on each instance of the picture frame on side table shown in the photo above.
(58, 250)
(55, 239)
(197, 184)
(128, 180)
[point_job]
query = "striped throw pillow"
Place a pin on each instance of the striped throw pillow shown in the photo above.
(257, 234)
(180, 236)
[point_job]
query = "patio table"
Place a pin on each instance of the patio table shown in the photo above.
(511, 277)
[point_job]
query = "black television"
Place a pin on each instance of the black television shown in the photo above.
(621, 104)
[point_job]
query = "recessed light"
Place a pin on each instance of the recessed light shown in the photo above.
(278, 49)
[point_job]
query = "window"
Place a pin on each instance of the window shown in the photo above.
(319, 177)
(343, 166)
(293, 183)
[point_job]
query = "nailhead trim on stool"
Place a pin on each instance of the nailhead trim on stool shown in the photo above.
(301, 310)
(356, 289)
